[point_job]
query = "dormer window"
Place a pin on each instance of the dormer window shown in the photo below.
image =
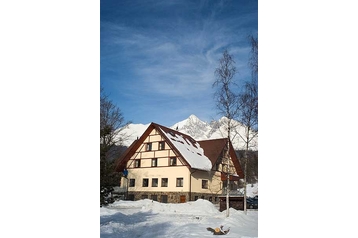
(148, 147)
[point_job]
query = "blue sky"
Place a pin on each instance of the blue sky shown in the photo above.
(158, 58)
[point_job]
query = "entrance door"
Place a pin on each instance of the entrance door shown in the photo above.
(182, 199)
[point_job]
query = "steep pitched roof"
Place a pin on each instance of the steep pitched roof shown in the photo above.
(182, 144)
(214, 149)
(197, 154)
(188, 148)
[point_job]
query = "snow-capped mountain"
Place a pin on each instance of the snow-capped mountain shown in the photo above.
(199, 130)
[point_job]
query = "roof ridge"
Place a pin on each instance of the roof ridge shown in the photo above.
(174, 131)
(224, 138)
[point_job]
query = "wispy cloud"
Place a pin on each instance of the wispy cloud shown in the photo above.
(173, 51)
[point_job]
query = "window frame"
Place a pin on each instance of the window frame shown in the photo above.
(143, 184)
(161, 145)
(166, 183)
(154, 183)
(149, 146)
(205, 184)
(164, 198)
(130, 183)
(180, 182)
(156, 162)
(137, 163)
(174, 160)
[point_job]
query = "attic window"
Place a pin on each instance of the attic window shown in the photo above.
(148, 147)
(161, 145)
(173, 161)
(137, 163)
(154, 162)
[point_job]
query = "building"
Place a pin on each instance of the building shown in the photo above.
(168, 166)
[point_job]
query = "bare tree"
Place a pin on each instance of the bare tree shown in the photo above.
(226, 103)
(248, 101)
(254, 59)
(111, 125)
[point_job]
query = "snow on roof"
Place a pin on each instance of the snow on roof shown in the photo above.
(190, 150)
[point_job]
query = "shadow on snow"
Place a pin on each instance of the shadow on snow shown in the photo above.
(122, 225)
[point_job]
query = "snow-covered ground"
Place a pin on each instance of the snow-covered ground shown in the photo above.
(147, 218)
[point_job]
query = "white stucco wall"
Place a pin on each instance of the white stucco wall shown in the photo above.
(191, 183)
(172, 173)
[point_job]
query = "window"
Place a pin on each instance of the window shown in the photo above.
(148, 147)
(161, 145)
(154, 197)
(164, 182)
(164, 198)
(154, 182)
(180, 182)
(144, 196)
(204, 184)
(137, 163)
(131, 182)
(154, 162)
(145, 182)
(173, 161)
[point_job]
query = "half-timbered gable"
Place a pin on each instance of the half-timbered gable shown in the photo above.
(169, 166)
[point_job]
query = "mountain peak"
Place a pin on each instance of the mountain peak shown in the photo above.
(200, 130)
(192, 116)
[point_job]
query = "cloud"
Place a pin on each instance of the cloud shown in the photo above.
(161, 50)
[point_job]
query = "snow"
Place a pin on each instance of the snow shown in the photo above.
(199, 130)
(192, 153)
(251, 190)
(147, 218)
(132, 132)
